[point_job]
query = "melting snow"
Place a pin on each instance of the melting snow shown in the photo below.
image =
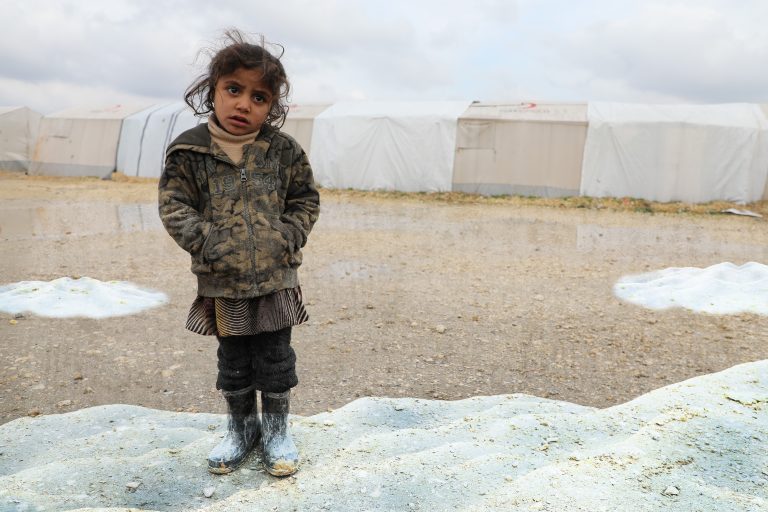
(721, 289)
(84, 297)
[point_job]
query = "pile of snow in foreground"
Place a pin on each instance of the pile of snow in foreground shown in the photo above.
(83, 297)
(723, 289)
(699, 445)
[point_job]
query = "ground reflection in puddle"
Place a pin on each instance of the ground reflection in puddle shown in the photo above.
(59, 220)
(452, 226)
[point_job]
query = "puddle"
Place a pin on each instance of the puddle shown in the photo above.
(359, 217)
(475, 228)
(502, 231)
(592, 237)
(60, 220)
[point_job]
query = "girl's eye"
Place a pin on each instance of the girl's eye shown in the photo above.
(258, 98)
(232, 89)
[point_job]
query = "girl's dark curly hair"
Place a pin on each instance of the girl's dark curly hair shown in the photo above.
(237, 52)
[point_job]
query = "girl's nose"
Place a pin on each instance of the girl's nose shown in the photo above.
(243, 106)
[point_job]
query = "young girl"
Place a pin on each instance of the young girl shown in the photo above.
(238, 195)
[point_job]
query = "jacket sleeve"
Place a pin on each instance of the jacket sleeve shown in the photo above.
(302, 201)
(178, 204)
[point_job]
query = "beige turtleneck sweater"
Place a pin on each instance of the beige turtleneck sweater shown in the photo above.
(232, 145)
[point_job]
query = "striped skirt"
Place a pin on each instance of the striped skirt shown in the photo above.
(220, 316)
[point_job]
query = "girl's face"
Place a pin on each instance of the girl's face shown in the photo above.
(241, 102)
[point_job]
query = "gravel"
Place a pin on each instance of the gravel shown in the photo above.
(409, 296)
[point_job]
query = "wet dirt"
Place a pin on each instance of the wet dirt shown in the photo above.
(408, 296)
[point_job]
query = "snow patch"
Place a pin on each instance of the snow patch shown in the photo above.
(84, 297)
(695, 445)
(721, 289)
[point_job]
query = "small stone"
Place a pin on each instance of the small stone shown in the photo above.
(64, 403)
(328, 423)
(34, 412)
(369, 306)
(132, 486)
(88, 390)
(208, 491)
(399, 407)
(18, 315)
(538, 297)
(77, 376)
(440, 329)
(671, 491)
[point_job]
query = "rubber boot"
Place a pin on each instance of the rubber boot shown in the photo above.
(280, 456)
(243, 429)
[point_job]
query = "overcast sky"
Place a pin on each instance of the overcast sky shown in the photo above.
(56, 54)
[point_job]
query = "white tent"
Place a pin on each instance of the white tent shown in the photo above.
(300, 123)
(526, 149)
(80, 141)
(691, 153)
(764, 108)
(145, 136)
(18, 130)
(386, 145)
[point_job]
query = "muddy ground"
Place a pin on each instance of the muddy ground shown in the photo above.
(409, 295)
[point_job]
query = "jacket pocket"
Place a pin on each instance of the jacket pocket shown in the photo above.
(199, 266)
(226, 249)
(293, 253)
(271, 247)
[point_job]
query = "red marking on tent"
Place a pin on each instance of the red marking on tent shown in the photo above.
(528, 105)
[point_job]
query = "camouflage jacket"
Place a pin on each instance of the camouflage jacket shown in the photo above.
(244, 226)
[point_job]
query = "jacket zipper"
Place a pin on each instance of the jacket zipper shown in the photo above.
(247, 217)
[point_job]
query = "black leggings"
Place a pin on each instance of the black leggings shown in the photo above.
(265, 361)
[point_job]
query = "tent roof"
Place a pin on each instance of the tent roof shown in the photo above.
(742, 115)
(530, 111)
(111, 112)
(306, 111)
(160, 108)
(395, 109)
(5, 110)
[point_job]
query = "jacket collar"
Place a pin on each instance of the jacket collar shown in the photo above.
(198, 139)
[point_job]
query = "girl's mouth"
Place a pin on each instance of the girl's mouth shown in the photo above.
(239, 120)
